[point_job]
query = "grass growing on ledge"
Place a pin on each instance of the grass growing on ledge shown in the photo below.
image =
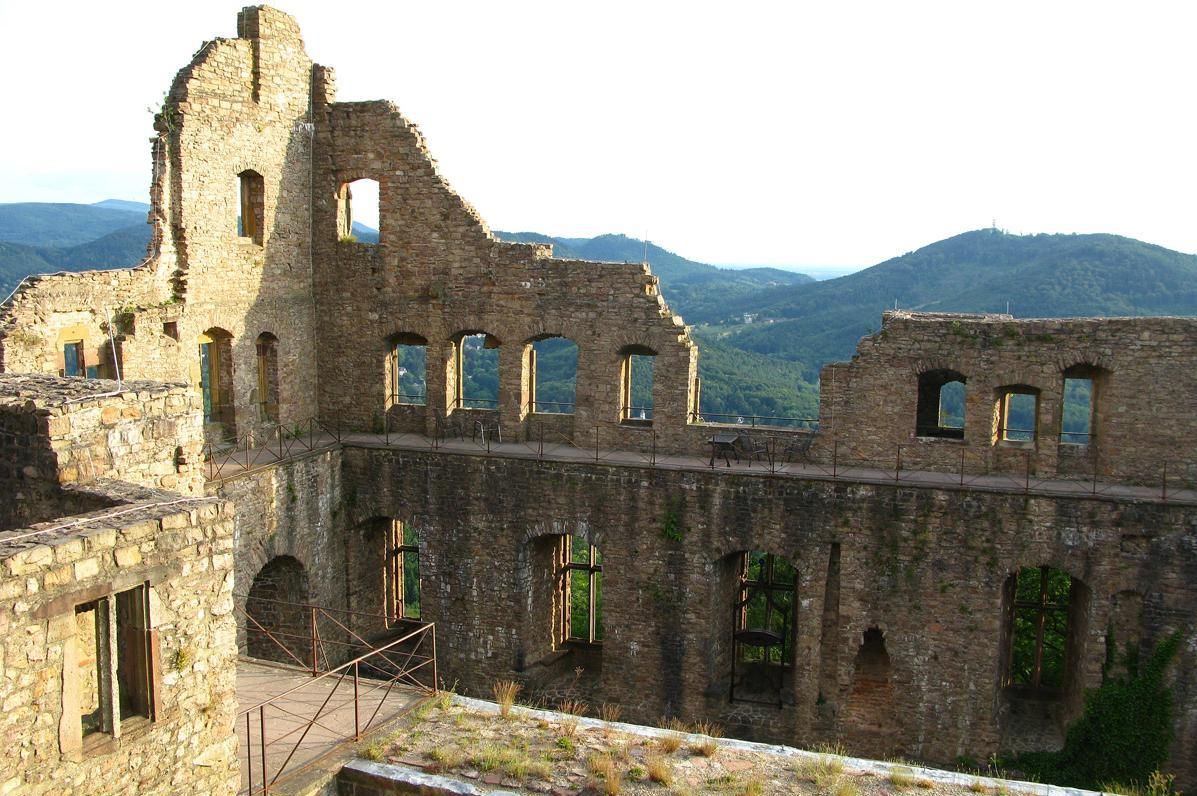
(558, 753)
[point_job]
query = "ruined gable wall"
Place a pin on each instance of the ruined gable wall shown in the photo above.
(924, 566)
(241, 104)
(438, 272)
(868, 405)
(185, 556)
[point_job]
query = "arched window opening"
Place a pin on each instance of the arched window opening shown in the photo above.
(216, 381)
(636, 384)
(1017, 413)
(477, 355)
(251, 205)
(1078, 418)
(763, 628)
(267, 390)
(406, 370)
(581, 590)
(553, 374)
(940, 411)
(279, 630)
(358, 212)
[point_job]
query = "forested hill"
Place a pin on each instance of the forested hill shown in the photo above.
(1039, 275)
(691, 288)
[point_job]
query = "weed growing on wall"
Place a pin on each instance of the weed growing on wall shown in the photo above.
(1123, 734)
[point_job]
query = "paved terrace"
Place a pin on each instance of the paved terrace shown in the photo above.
(247, 457)
(295, 747)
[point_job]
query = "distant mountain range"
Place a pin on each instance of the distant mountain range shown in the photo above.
(765, 332)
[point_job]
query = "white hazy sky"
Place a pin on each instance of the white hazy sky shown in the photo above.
(786, 133)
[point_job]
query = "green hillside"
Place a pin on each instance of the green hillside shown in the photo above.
(764, 332)
(1039, 275)
(46, 224)
(692, 288)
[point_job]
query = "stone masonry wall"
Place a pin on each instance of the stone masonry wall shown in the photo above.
(924, 567)
(242, 104)
(58, 431)
(181, 548)
(1142, 404)
(437, 272)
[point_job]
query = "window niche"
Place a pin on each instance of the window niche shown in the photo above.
(1017, 414)
(406, 370)
(940, 411)
(401, 573)
(267, 390)
(358, 212)
(552, 375)
(216, 382)
(581, 591)
(762, 628)
(636, 384)
(251, 206)
(111, 686)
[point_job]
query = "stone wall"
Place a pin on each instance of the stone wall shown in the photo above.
(241, 105)
(180, 551)
(899, 639)
(59, 431)
(437, 272)
(1145, 369)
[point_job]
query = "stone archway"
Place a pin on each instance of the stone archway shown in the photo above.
(276, 602)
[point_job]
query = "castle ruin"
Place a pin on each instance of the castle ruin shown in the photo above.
(871, 580)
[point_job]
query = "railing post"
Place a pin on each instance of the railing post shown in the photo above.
(962, 467)
(315, 670)
(898, 466)
(1164, 485)
(596, 449)
(835, 455)
(1027, 483)
(654, 454)
(249, 751)
(540, 449)
(436, 687)
(357, 730)
(1096, 462)
(262, 741)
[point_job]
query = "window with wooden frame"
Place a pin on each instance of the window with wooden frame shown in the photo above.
(581, 591)
(111, 686)
(1039, 603)
(765, 606)
(72, 359)
(251, 203)
(267, 349)
(402, 573)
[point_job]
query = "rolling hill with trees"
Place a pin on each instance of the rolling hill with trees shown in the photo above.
(764, 332)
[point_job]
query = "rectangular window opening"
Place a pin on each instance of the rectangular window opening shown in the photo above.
(1077, 422)
(637, 389)
(1019, 412)
(73, 363)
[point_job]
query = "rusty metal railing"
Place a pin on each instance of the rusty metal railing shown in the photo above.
(276, 728)
(270, 445)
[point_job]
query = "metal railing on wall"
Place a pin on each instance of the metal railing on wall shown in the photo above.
(276, 728)
(795, 451)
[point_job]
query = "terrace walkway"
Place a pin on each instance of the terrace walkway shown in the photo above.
(248, 457)
(293, 744)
